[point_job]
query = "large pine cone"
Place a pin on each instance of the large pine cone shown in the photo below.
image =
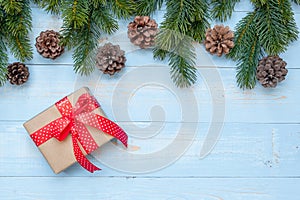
(110, 59)
(219, 40)
(47, 44)
(270, 71)
(17, 73)
(142, 31)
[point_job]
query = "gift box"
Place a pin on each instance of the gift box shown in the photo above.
(72, 128)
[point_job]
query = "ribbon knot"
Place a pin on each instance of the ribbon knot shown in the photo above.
(73, 121)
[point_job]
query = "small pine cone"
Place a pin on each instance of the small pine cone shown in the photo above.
(17, 73)
(142, 31)
(219, 40)
(47, 44)
(270, 71)
(110, 59)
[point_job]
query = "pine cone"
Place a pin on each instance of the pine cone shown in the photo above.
(17, 73)
(110, 58)
(142, 31)
(270, 71)
(47, 44)
(219, 40)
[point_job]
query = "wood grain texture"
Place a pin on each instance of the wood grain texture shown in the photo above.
(256, 157)
(244, 150)
(148, 188)
(48, 84)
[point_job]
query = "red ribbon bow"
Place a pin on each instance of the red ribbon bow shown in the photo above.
(73, 121)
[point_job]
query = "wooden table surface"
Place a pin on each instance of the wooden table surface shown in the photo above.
(257, 155)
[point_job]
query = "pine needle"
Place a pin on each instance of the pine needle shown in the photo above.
(17, 25)
(3, 60)
(276, 26)
(147, 7)
(223, 9)
(184, 21)
(52, 6)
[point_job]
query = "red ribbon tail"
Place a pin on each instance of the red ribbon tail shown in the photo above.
(113, 129)
(65, 132)
(81, 159)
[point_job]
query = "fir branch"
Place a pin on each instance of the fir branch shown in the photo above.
(165, 41)
(223, 9)
(3, 50)
(52, 6)
(183, 72)
(147, 7)
(247, 51)
(83, 55)
(178, 16)
(100, 21)
(184, 21)
(187, 17)
(20, 47)
(275, 34)
(19, 23)
(181, 60)
(168, 39)
(85, 44)
(3, 60)
(75, 13)
(259, 2)
(288, 20)
(181, 53)
(243, 31)
(67, 36)
(18, 26)
(103, 21)
(12, 6)
(97, 3)
(160, 54)
(247, 63)
(3, 72)
(122, 9)
(199, 22)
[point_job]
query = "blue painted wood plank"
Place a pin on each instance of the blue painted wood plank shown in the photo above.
(48, 84)
(149, 188)
(243, 150)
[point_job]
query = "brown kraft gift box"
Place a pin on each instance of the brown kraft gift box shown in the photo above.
(59, 154)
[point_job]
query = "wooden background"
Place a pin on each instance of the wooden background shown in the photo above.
(256, 157)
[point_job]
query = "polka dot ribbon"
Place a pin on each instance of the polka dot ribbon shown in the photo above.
(73, 122)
